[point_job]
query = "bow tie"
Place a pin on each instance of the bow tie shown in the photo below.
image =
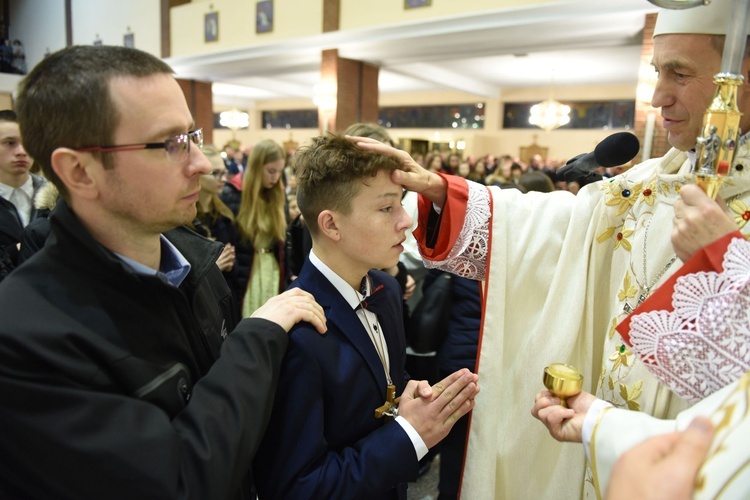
(376, 302)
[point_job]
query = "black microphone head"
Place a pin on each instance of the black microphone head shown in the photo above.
(617, 149)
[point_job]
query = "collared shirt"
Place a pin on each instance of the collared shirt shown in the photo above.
(173, 266)
(22, 198)
(354, 298)
(369, 321)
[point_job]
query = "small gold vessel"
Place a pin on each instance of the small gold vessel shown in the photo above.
(563, 381)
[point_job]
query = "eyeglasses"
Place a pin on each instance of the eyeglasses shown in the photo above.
(177, 146)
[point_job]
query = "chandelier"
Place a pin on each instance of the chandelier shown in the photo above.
(234, 120)
(549, 115)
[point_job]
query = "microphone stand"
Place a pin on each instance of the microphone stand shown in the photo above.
(716, 145)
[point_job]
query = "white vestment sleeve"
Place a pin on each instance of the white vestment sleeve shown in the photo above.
(617, 431)
(592, 417)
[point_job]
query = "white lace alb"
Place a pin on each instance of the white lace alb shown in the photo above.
(703, 344)
(468, 257)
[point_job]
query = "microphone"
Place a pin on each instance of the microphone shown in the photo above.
(617, 149)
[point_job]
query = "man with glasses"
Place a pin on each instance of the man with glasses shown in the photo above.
(118, 373)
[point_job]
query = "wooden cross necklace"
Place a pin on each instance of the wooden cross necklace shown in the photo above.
(389, 409)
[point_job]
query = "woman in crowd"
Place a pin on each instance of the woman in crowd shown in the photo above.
(214, 219)
(536, 181)
(261, 223)
(463, 170)
(452, 163)
(502, 174)
(478, 172)
(434, 162)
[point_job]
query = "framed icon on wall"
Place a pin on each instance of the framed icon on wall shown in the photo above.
(412, 4)
(128, 40)
(211, 25)
(264, 16)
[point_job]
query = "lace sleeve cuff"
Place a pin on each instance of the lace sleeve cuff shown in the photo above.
(468, 257)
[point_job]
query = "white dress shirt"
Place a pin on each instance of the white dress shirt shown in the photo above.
(22, 198)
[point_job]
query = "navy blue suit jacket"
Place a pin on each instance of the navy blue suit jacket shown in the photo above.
(323, 440)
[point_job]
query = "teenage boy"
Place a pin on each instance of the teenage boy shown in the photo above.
(333, 433)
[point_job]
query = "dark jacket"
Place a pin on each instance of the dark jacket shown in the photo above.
(324, 441)
(35, 234)
(223, 230)
(11, 229)
(297, 247)
(459, 349)
(119, 385)
(231, 194)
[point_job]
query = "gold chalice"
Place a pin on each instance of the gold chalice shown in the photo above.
(563, 381)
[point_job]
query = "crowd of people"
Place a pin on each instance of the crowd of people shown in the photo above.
(506, 170)
(180, 323)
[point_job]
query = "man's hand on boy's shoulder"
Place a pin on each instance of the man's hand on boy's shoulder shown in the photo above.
(289, 308)
(432, 411)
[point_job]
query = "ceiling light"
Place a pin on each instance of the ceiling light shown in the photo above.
(549, 115)
(234, 119)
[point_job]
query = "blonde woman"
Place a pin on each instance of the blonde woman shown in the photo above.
(214, 219)
(261, 223)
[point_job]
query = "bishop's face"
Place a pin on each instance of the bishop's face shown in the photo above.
(686, 65)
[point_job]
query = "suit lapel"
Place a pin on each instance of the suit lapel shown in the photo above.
(343, 318)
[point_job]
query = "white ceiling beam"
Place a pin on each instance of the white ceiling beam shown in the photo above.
(446, 79)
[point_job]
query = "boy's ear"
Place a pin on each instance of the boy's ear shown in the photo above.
(328, 226)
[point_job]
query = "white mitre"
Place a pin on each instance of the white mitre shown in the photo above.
(711, 19)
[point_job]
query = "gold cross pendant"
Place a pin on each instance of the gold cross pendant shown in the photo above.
(389, 409)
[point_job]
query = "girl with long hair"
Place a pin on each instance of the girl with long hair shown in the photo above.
(214, 219)
(261, 223)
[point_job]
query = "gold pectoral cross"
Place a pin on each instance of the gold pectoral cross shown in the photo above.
(389, 409)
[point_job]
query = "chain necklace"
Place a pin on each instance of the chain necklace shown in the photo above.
(389, 409)
(646, 289)
(377, 340)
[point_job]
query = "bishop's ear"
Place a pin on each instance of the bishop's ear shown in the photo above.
(327, 224)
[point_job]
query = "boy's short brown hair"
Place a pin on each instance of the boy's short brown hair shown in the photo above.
(330, 171)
